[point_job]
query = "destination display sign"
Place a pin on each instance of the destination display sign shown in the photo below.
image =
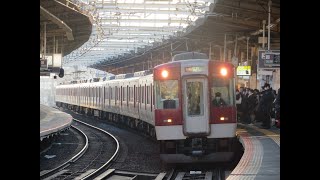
(194, 69)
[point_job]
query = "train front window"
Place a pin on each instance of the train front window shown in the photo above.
(167, 94)
(195, 98)
(222, 92)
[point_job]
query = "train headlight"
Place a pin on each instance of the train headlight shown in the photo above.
(223, 118)
(223, 71)
(164, 73)
(167, 120)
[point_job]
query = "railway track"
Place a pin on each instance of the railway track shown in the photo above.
(100, 149)
(183, 174)
(124, 168)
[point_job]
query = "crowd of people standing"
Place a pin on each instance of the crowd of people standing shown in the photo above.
(257, 106)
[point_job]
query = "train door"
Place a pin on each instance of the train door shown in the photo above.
(196, 118)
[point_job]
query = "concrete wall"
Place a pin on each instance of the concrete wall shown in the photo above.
(47, 90)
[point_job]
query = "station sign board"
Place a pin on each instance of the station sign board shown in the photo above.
(269, 59)
(43, 63)
(53, 60)
(244, 71)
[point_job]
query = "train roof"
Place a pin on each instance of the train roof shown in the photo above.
(111, 78)
(189, 55)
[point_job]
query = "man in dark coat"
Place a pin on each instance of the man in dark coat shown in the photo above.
(251, 101)
(218, 101)
(277, 108)
(265, 106)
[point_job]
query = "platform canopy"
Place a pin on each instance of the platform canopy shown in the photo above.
(64, 26)
(125, 26)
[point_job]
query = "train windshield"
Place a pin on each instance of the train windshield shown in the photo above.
(167, 94)
(222, 92)
(195, 98)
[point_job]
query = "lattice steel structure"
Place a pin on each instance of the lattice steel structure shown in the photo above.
(124, 26)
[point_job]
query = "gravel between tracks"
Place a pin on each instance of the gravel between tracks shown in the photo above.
(137, 153)
(62, 149)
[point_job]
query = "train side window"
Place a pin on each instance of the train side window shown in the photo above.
(142, 95)
(100, 94)
(104, 96)
(130, 96)
(115, 95)
(111, 93)
(121, 95)
(153, 94)
(139, 95)
(106, 92)
(107, 95)
(127, 95)
(134, 96)
(124, 94)
(147, 95)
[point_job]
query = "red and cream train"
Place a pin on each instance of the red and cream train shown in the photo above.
(174, 104)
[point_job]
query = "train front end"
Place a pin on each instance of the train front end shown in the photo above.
(195, 112)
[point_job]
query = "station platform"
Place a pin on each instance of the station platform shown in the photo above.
(261, 157)
(52, 121)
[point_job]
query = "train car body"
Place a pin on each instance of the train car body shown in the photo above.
(190, 124)
(177, 105)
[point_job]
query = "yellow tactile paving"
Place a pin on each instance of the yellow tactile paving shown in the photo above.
(274, 136)
(250, 163)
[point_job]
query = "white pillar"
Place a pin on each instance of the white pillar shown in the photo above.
(44, 39)
(269, 3)
(210, 52)
(248, 49)
(263, 32)
(225, 47)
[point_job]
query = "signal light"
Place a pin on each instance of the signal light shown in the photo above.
(164, 73)
(223, 71)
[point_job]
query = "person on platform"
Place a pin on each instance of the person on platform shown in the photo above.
(265, 106)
